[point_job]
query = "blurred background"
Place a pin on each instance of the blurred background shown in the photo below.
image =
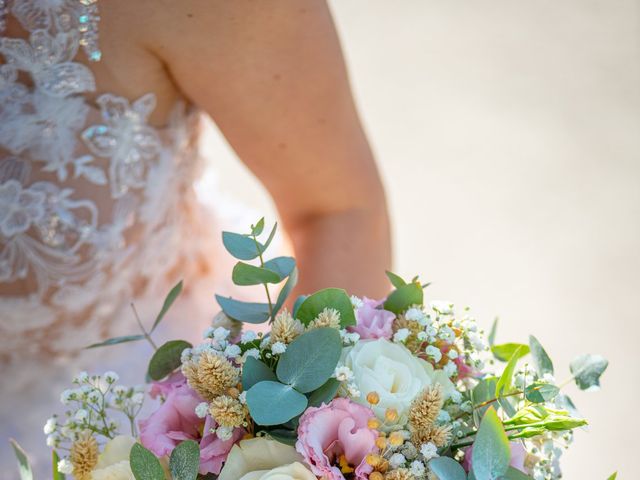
(508, 135)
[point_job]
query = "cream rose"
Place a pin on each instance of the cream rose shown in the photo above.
(393, 372)
(263, 459)
(113, 462)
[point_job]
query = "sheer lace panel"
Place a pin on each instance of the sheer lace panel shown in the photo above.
(89, 191)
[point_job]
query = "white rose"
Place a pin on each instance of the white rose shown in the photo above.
(393, 372)
(263, 459)
(113, 462)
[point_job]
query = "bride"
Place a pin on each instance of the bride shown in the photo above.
(100, 104)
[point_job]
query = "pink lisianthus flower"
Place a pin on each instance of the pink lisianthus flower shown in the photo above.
(373, 322)
(334, 434)
(518, 456)
(176, 420)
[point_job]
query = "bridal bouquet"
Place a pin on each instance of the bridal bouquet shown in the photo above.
(337, 388)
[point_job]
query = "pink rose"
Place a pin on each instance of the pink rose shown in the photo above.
(518, 455)
(373, 322)
(332, 434)
(176, 420)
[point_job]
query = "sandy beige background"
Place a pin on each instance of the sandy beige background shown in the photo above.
(508, 134)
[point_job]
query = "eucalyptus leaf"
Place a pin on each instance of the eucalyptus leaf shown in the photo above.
(491, 451)
(168, 301)
(325, 393)
(244, 274)
(273, 403)
(310, 359)
(447, 468)
(483, 392)
(166, 359)
(492, 333)
(296, 305)
(244, 311)
(283, 266)
(144, 464)
(505, 381)
(395, 280)
(541, 360)
(242, 247)
(55, 474)
(540, 392)
(335, 298)
(285, 291)
(282, 435)
(26, 473)
(257, 229)
(504, 351)
(117, 340)
(515, 474)
(587, 369)
(254, 371)
(404, 297)
(270, 237)
(185, 461)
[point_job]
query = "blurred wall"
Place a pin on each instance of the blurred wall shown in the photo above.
(508, 134)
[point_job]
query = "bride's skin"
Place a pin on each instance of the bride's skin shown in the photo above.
(272, 76)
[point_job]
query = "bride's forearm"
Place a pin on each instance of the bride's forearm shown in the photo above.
(349, 249)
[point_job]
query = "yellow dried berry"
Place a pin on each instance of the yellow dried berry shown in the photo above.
(396, 439)
(391, 415)
(373, 398)
(373, 423)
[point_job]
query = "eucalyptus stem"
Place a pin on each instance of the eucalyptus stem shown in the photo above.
(266, 287)
(144, 331)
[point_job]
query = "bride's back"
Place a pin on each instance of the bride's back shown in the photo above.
(96, 162)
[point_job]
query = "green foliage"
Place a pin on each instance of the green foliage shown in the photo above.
(282, 435)
(144, 464)
(491, 451)
(23, 461)
(242, 247)
(447, 468)
(534, 420)
(185, 461)
(505, 382)
(492, 333)
(285, 291)
(540, 358)
(273, 403)
(515, 474)
(166, 359)
(283, 266)
(310, 359)
(404, 297)
(296, 305)
(540, 392)
(55, 474)
(168, 301)
(257, 229)
(613, 476)
(248, 312)
(395, 280)
(335, 298)
(117, 340)
(505, 351)
(587, 369)
(325, 393)
(254, 371)
(483, 392)
(244, 274)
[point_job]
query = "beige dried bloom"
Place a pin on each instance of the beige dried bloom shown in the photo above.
(227, 411)
(285, 328)
(400, 474)
(412, 342)
(329, 317)
(84, 456)
(439, 435)
(425, 408)
(212, 375)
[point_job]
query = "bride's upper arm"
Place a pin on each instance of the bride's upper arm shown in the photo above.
(272, 76)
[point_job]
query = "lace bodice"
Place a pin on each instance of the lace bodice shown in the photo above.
(93, 200)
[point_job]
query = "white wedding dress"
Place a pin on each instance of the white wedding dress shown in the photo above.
(97, 210)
